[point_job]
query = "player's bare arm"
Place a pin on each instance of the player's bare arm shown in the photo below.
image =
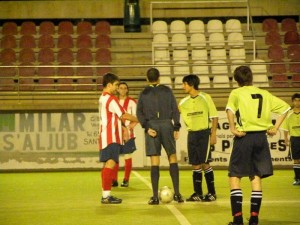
(273, 130)
(232, 127)
(213, 134)
(127, 116)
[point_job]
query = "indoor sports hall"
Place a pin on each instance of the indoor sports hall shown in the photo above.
(53, 55)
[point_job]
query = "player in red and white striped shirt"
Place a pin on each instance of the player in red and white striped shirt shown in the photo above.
(111, 114)
(129, 104)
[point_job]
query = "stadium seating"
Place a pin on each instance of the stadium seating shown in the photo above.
(27, 41)
(9, 28)
(214, 26)
(84, 55)
(159, 27)
(102, 41)
(216, 40)
(280, 80)
(102, 27)
(177, 26)
(198, 40)
(47, 28)
(233, 25)
(84, 27)
(179, 41)
(199, 54)
(84, 41)
(196, 26)
(273, 38)
(46, 41)
(8, 55)
(221, 81)
(27, 55)
(275, 52)
(8, 41)
(46, 55)
(65, 41)
(277, 67)
(288, 24)
(293, 52)
(28, 28)
(65, 27)
(161, 41)
(269, 24)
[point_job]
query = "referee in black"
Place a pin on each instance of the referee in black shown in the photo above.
(158, 114)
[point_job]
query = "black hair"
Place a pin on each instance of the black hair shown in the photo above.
(122, 82)
(153, 75)
(109, 78)
(243, 76)
(296, 95)
(192, 80)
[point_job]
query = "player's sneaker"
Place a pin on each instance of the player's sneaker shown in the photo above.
(209, 197)
(111, 200)
(178, 198)
(195, 198)
(153, 201)
(296, 182)
(232, 223)
(125, 183)
(115, 183)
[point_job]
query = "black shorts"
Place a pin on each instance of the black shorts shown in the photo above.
(128, 147)
(295, 147)
(199, 147)
(251, 156)
(164, 137)
(112, 151)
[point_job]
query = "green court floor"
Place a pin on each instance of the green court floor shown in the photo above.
(73, 198)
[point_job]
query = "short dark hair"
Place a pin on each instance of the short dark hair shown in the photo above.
(124, 83)
(153, 75)
(243, 75)
(109, 78)
(296, 95)
(192, 80)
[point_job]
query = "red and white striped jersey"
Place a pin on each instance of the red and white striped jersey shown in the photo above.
(129, 104)
(110, 112)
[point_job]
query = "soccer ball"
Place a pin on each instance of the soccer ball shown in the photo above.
(166, 194)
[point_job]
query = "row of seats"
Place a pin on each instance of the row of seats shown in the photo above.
(198, 40)
(277, 52)
(51, 84)
(199, 54)
(63, 27)
(62, 41)
(49, 56)
(196, 26)
(271, 24)
(274, 38)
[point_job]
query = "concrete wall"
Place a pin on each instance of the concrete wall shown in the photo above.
(114, 9)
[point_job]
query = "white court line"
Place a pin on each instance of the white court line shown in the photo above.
(179, 216)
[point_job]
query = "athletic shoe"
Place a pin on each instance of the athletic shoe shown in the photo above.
(153, 201)
(195, 198)
(115, 183)
(209, 197)
(232, 223)
(296, 182)
(178, 198)
(125, 183)
(111, 200)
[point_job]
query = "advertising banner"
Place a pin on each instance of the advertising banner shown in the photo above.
(70, 140)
